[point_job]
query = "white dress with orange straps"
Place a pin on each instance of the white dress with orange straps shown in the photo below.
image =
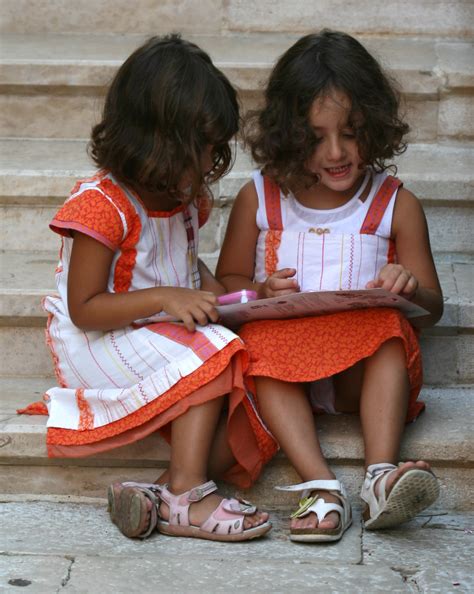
(338, 249)
(118, 386)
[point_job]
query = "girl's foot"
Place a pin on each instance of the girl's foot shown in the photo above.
(324, 513)
(397, 494)
(199, 512)
(312, 521)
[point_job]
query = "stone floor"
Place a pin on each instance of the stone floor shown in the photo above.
(69, 545)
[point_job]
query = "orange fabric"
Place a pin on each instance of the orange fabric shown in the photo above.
(35, 408)
(306, 349)
(86, 417)
(272, 204)
(126, 262)
(273, 236)
(272, 243)
(92, 210)
(379, 205)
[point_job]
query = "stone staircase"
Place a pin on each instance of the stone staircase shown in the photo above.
(55, 66)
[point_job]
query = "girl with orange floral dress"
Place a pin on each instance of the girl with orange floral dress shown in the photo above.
(129, 252)
(323, 214)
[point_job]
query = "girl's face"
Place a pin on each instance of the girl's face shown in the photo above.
(185, 185)
(336, 158)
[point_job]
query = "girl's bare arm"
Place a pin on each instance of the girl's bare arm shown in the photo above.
(92, 307)
(208, 280)
(414, 276)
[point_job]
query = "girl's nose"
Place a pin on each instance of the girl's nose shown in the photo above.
(335, 149)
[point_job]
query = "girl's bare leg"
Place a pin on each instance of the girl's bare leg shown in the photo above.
(380, 386)
(192, 435)
(286, 411)
(221, 457)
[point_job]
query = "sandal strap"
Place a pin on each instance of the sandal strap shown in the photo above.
(316, 485)
(318, 506)
(179, 504)
(376, 474)
(228, 517)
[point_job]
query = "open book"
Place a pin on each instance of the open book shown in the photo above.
(314, 303)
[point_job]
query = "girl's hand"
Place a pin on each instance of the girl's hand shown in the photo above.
(279, 283)
(191, 306)
(397, 279)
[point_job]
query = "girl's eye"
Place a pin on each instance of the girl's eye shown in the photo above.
(348, 134)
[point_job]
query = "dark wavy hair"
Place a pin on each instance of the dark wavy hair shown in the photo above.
(279, 135)
(166, 103)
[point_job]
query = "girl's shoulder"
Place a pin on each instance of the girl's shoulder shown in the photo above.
(104, 185)
(97, 206)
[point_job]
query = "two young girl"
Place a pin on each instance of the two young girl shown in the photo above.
(322, 214)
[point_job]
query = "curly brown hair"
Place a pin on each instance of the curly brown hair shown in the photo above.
(280, 136)
(166, 104)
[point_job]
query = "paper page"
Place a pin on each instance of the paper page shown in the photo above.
(314, 303)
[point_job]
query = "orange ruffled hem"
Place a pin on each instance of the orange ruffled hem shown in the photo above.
(222, 374)
(307, 349)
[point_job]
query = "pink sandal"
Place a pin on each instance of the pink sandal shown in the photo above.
(226, 522)
(133, 508)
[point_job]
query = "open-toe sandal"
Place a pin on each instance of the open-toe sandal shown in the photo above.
(317, 505)
(414, 491)
(225, 523)
(133, 507)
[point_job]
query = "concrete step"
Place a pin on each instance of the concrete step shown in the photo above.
(27, 276)
(36, 176)
(441, 436)
(52, 85)
(398, 17)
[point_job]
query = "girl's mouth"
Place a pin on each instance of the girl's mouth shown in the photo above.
(338, 172)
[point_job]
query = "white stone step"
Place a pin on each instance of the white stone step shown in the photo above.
(53, 85)
(37, 175)
(27, 276)
(397, 17)
(442, 436)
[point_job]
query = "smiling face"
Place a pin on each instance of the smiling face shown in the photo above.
(336, 158)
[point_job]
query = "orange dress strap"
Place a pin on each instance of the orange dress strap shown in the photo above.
(272, 204)
(379, 205)
(275, 224)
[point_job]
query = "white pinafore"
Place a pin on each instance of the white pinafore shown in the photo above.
(337, 249)
(117, 386)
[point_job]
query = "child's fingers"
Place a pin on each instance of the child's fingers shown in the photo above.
(188, 322)
(284, 273)
(410, 288)
(210, 312)
(372, 284)
(279, 284)
(399, 283)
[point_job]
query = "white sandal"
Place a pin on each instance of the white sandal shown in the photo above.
(414, 491)
(317, 505)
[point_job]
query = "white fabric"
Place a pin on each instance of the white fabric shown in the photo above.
(339, 258)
